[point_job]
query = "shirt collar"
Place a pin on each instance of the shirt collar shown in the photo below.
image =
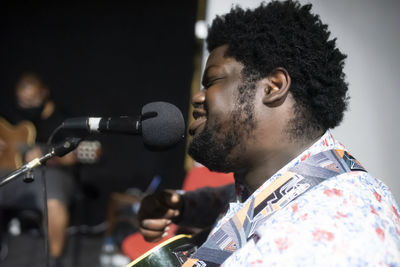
(326, 142)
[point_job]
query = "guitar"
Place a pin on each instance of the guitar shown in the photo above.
(22, 134)
(170, 253)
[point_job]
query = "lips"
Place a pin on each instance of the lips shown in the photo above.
(197, 125)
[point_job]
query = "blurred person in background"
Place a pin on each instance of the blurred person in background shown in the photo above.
(33, 103)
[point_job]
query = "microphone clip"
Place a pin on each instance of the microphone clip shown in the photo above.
(59, 150)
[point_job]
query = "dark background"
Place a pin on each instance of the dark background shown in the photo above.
(105, 58)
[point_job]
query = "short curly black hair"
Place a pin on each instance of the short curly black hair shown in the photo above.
(286, 34)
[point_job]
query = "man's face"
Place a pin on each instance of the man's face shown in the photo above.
(224, 118)
(30, 95)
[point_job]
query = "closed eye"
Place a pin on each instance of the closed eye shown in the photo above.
(208, 83)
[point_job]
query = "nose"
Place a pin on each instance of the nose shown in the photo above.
(199, 98)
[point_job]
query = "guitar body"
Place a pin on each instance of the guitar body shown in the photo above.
(166, 254)
(23, 133)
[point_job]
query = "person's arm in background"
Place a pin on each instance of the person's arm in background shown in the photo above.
(202, 207)
(198, 208)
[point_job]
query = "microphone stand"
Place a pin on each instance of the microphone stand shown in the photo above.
(59, 150)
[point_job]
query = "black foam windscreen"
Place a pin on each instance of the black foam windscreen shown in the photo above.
(163, 125)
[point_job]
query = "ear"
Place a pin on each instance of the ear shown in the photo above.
(276, 87)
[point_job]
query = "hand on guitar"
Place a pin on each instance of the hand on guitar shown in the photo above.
(156, 213)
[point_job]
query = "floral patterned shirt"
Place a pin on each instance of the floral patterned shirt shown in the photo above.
(348, 220)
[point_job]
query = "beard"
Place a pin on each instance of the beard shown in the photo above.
(213, 147)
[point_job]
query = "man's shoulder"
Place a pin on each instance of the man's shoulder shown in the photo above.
(353, 191)
(358, 184)
(348, 215)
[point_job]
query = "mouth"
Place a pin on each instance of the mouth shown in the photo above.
(197, 126)
(199, 123)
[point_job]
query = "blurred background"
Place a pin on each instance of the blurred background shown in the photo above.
(109, 58)
(103, 58)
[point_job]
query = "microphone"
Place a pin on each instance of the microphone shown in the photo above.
(161, 125)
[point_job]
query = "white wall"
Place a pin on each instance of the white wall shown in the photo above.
(368, 31)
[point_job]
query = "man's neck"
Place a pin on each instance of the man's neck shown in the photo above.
(269, 163)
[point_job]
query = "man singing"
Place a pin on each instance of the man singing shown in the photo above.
(273, 87)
